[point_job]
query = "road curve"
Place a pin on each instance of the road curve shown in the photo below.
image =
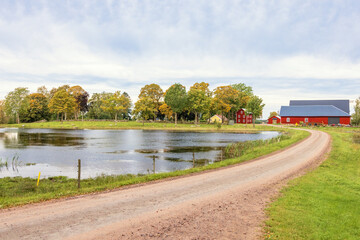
(182, 203)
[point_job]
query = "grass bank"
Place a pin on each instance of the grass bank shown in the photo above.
(139, 125)
(18, 191)
(325, 203)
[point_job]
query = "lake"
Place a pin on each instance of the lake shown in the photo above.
(55, 152)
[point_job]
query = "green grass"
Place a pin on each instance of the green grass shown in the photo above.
(18, 191)
(139, 125)
(325, 203)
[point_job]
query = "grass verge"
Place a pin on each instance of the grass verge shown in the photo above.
(139, 125)
(325, 203)
(18, 191)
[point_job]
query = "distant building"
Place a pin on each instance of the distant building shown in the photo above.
(314, 112)
(274, 120)
(243, 118)
(218, 119)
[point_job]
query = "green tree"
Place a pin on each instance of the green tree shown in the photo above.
(255, 106)
(14, 102)
(116, 104)
(176, 98)
(95, 103)
(199, 99)
(3, 118)
(242, 87)
(62, 103)
(356, 115)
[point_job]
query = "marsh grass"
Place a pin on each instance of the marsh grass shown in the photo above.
(14, 163)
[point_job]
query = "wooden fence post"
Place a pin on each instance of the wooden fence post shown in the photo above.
(154, 164)
(79, 172)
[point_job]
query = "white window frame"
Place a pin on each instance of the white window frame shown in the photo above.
(288, 119)
(306, 120)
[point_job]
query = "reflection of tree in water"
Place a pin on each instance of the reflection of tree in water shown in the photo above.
(42, 139)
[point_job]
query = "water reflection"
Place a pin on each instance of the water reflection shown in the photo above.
(55, 152)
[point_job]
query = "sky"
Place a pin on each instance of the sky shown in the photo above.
(283, 49)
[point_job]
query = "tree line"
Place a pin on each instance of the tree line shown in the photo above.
(65, 102)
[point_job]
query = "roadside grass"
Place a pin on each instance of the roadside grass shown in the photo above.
(140, 125)
(325, 203)
(18, 191)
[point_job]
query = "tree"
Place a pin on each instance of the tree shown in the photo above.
(226, 98)
(81, 99)
(176, 98)
(241, 87)
(116, 104)
(37, 108)
(43, 90)
(14, 101)
(255, 106)
(356, 115)
(199, 99)
(95, 103)
(3, 117)
(166, 110)
(273, 114)
(151, 95)
(145, 108)
(62, 103)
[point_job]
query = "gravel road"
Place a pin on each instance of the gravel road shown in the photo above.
(223, 204)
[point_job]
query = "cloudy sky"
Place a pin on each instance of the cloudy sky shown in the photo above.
(283, 49)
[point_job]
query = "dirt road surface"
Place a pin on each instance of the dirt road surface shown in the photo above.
(222, 204)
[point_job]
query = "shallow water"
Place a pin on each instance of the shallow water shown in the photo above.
(56, 151)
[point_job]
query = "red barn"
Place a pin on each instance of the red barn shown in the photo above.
(242, 118)
(316, 114)
(274, 120)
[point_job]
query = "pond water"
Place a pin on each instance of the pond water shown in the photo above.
(55, 152)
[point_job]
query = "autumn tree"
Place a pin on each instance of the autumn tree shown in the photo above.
(62, 103)
(14, 102)
(273, 114)
(166, 110)
(145, 108)
(199, 99)
(356, 115)
(37, 108)
(116, 104)
(176, 98)
(81, 100)
(154, 95)
(255, 106)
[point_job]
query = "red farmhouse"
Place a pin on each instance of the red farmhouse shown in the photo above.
(313, 112)
(274, 120)
(242, 118)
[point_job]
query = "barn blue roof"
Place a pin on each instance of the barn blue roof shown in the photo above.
(312, 111)
(343, 105)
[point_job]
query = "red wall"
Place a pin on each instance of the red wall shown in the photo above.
(270, 120)
(324, 120)
(240, 117)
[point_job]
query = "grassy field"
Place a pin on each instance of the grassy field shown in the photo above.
(18, 191)
(139, 125)
(325, 203)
